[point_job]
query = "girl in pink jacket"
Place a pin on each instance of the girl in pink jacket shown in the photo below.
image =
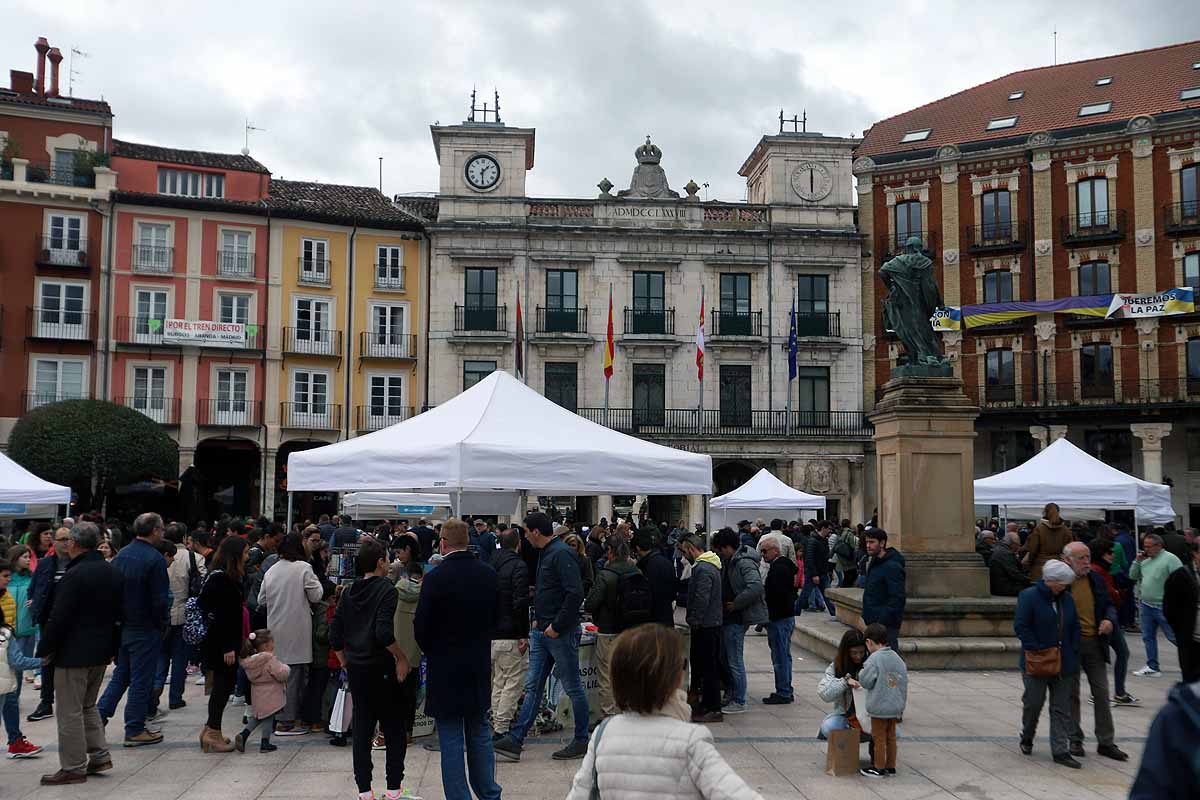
(268, 677)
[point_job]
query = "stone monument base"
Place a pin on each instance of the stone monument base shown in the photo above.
(819, 633)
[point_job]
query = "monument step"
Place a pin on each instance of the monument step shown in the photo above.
(817, 633)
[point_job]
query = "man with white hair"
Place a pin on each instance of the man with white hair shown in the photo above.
(1097, 618)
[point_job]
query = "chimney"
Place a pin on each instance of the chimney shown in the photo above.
(55, 57)
(42, 46)
(21, 81)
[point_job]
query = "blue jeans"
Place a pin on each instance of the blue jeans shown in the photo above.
(1116, 640)
(733, 636)
(1152, 620)
(779, 639)
(819, 602)
(562, 656)
(137, 664)
(473, 735)
(20, 660)
(833, 722)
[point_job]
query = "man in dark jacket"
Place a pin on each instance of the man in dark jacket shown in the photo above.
(382, 681)
(1181, 594)
(1004, 570)
(1097, 617)
(780, 587)
(604, 604)
(884, 591)
(454, 631)
(660, 573)
(147, 616)
(704, 620)
(49, 573)
(553, 640)
(816, 569)
(80, 637)
(742, 594)
(1169, 769)
(510, 642)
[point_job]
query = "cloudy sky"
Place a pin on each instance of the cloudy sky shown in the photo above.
(337, 85)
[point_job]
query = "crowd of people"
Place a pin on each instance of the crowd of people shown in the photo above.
(306, 645)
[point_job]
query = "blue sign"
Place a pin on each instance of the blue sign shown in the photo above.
(13, 508)
(414, 509)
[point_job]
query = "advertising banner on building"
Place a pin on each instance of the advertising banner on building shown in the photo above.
(204, 332)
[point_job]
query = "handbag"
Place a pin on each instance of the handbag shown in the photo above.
(1046, 662)
(595, 793)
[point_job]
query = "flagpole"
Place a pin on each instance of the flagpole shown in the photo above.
(700, 354)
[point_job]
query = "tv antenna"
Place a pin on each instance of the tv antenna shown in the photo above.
(249, 127)
(71, 71)
(799, 123)
(1055, 35)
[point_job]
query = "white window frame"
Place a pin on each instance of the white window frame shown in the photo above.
(374, 421)
(235, 413)
(395, 343)
(152, 256)
(37, 398)
(1017, 95)
(235, 296)
(65, 255)
(301, 413)
(916, 136)
(236, 261)
(1192, 93)
(1000, 123)
(190, 183)
(311, 268)
(1095, 109)
(156, 406)
(317, 340)
(389, 274)
(59, 329)
(144, 334)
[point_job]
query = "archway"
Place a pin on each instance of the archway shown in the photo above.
(305, 505)
(729, 475)
(224, 479)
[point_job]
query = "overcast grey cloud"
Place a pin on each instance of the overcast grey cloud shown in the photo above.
(337, 85)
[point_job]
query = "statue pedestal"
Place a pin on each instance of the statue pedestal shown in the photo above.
(924, 442)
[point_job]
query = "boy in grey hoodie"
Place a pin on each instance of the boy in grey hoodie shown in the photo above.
(885, 677)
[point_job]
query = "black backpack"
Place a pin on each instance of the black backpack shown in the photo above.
(635, 601)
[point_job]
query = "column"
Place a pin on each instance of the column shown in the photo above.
(1043, 224)
(1151, 434)
(1144, 209)
(695, 509)
(604, 507)
(866, 222)
(1041, 436)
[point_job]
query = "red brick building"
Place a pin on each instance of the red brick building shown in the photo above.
(1073, 180)
(55, 186)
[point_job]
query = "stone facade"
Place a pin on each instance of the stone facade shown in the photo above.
(802, 231)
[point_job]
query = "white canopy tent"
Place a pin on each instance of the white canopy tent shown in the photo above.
(765, 495)
(1064, 474)
(23, 494)
(388, 505)
(499, 435)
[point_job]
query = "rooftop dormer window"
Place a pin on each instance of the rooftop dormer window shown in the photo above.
(1095, 108)
(1001, 122)
(916, 136)
(186, 183)
(1105, 81)
(1017, 95)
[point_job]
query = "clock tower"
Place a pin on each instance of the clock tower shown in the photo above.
(483, 166)
(800, 169)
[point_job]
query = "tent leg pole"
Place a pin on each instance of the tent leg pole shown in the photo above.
(706, 498)
(289, 511)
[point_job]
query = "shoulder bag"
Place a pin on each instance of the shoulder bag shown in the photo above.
(1047, 662)
(595, 793)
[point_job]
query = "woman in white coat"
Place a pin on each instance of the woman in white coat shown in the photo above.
(646, 752)
(288, 590)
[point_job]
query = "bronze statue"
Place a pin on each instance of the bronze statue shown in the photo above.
(913, 296)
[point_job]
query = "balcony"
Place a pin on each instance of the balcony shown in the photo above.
(738, 422)
(152, 259)
(489, 319)
(1094, 227)
(62, 251)
(139, 330)
(736, 323)
(648, 322)
(311, 416)
(1087, 397)
(312, 342)
(235, 264)
(163, 410)
(80, 177)
(60, 324)
(380, 344)
(817, 324)
(32, 400)
(386, 277)
(996, 237)
(896, 244)
(229, 412)
(313, 271)
(560, 320)
(1182, 219)
(377, 417)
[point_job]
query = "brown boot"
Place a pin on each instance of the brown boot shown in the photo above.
(213, 742)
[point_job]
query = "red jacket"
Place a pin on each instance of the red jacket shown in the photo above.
(1109, 584)
(331, 660)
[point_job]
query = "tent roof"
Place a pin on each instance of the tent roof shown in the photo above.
(1064, 474)
(765, 492)
(19, 485)
(500, 435)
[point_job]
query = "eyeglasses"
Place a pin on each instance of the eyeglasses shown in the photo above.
(63, 541)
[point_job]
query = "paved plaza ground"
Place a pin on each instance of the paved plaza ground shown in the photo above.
(958, 740)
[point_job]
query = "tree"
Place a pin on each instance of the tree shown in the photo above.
(92, 446)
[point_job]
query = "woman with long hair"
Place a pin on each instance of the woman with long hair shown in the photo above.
(222, 603)
(586, 573)
(645, 750)
(839, 681)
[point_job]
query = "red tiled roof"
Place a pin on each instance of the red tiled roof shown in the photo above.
(1143, 82)
(193, 158)
(55, 103)
(337, 203)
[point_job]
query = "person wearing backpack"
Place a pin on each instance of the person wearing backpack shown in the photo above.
(620, 599)
(845, 551)
(185, 577)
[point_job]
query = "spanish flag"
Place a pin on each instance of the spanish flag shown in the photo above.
(609, 348)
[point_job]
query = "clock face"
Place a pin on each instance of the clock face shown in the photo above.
(483, 172)
(812, 181)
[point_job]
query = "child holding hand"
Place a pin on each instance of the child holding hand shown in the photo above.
(268, 677)
(885, 677)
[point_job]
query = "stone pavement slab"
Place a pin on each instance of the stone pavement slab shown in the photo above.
(958, 740)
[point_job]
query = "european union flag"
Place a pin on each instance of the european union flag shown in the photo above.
(793, 345)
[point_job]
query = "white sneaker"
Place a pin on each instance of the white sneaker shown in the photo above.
(734, 708)
(1146, 672)
(237, 700)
